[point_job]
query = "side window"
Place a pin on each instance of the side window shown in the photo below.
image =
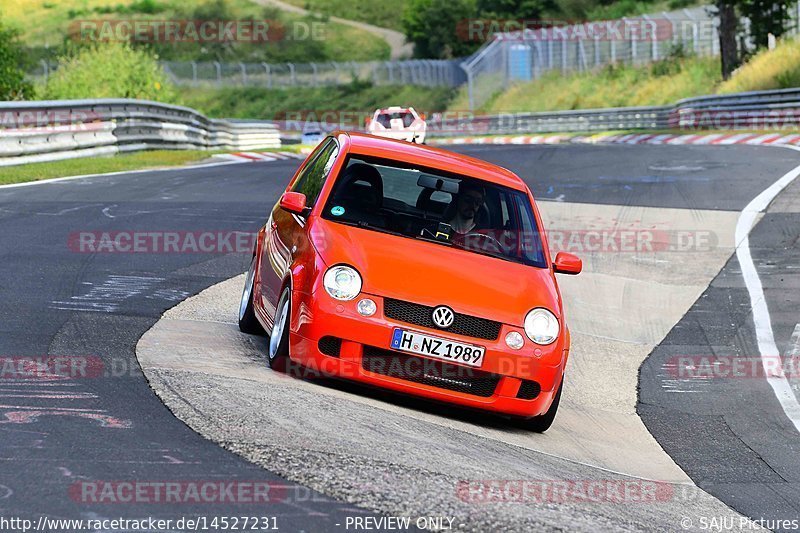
(313, 177)
(505, 212)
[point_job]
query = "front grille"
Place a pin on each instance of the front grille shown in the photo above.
(330, 346)
(421, 315)
(429, 372)
(529, 390)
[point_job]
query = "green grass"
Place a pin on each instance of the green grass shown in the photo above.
(382, 13)
(100, 165)
(258, 103)
(769, 69)
(46, 23)
(612, 86)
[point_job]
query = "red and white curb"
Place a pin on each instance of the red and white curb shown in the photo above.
(255, 157)
(757, 139)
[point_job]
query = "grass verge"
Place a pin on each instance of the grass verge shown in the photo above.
(260, 103)
(100, 165)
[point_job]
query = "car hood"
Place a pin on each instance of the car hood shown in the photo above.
(432, 274)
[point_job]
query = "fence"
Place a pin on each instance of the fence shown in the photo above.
(429, 73)
(530, 53)
(33, 132)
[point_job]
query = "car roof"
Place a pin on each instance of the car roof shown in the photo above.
(427, 156)
(394, 109)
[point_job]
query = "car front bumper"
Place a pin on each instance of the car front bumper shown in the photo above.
(365, 340)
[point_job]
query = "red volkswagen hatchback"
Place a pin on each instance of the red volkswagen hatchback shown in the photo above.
(416, 270)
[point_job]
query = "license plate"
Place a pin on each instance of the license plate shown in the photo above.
(438, 348)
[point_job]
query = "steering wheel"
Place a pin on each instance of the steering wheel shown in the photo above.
(494, 241)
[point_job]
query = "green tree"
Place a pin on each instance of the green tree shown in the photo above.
(436, 27)
(766, 17)
(12, 79)
(515, 9)
(109, 70)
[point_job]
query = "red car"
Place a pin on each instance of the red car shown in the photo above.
(413, 269)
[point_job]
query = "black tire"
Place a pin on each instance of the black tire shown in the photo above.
(278, 349)
(248, 323)
(541, 423)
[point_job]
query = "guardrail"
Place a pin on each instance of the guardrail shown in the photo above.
(65, 129)
(778, 109)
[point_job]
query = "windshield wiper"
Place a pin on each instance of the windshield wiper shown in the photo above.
(367, 225)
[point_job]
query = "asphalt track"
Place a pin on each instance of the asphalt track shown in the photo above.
(58, 302)
(725, 427)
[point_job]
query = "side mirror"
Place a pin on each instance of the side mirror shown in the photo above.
(294, 202)
(567, 263)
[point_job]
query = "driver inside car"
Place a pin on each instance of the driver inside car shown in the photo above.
(468, 203)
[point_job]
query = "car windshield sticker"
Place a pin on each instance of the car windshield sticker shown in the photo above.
(337, 211)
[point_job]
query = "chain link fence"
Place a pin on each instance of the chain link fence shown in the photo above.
(531, 53)
(428, 73)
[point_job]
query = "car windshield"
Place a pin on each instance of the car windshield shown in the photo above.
(457, 211)
(385, 119)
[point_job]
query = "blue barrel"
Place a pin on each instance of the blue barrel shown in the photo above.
(519, 62)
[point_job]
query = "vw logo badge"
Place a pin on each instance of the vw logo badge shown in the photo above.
(443, 317)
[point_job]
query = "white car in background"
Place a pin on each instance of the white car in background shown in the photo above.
(402, 123)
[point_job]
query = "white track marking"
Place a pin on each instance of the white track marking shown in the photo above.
(794, 347)
(263, 156)
(793, 353)
(761, 319)
(84, 176)
(764, 138)
(660, 139)
(708, 139)
(735, 139)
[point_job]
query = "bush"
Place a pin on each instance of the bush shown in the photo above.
(12, 79)
(109, 70)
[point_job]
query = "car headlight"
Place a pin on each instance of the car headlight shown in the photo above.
(541, 326)
(342, 282)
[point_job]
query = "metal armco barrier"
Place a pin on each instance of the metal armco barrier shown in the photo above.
(767, 110)
(65, 129)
